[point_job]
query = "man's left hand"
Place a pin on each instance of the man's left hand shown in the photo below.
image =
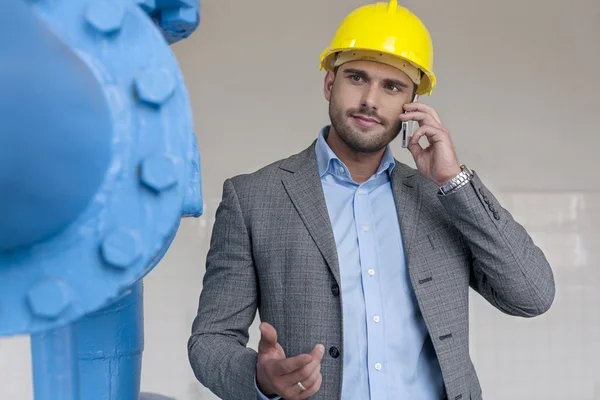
(438, 161)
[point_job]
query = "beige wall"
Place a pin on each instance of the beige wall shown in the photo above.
(518, 86)
(519, 91)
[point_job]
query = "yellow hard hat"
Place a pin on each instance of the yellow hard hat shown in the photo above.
(387, 33)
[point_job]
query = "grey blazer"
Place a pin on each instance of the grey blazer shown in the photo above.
(273, 249)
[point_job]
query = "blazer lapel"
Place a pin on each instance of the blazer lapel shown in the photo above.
(407, 197)
(303, 185)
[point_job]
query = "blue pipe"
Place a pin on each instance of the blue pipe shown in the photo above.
(55, 134)
(111, 342)
(55, 367)
(97, 357)
(56, 140)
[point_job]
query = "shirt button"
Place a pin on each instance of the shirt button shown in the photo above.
(365, 228)
(371, 272)
(342, 170)
(376, 318)
(362, 191)
(378, 366)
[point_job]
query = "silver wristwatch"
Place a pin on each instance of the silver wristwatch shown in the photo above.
(458, 181)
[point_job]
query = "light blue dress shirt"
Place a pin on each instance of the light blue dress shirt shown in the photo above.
(388, 354)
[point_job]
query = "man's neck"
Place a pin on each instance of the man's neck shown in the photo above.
(361, 165)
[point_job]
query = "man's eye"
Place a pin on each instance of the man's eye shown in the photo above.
(355, 78)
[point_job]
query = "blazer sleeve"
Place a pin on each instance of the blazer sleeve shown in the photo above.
(508, 269)
(227, 307)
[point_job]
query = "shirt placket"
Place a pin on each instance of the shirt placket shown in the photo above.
(372, 289)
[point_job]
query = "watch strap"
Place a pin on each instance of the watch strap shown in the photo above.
(458, 181)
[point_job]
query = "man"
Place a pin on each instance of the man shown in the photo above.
(359, 265)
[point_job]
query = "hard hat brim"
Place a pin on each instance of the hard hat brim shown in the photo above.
(428, 79)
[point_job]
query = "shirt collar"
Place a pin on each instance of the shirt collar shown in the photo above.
(326, 158)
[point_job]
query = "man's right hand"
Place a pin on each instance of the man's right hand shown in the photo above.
(278, 375)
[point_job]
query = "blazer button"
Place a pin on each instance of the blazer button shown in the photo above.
(334, 352)
(335, 289)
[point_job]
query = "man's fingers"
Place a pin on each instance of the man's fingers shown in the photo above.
(317, 352)
(414, 148)
(304, 368)
(417, 106)
(422, 117)
(304, 373)
(433, 135)
(292, 364)
(314, 388)
(311, 379)
(317, 356)
(268, 338)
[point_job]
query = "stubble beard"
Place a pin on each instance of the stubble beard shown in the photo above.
(357, 139)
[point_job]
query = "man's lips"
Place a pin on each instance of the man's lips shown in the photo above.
(365, 121)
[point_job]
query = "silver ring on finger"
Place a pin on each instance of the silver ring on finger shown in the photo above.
(301, 386)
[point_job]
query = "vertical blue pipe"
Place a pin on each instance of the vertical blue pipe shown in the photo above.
(111, 342)
(54, 362)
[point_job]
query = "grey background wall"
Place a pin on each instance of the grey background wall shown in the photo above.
(519, 91)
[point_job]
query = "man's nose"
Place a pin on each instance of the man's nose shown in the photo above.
(369, 99)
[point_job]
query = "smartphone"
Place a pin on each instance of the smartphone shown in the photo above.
(407, 128)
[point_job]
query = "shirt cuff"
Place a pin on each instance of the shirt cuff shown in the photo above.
(261, 395)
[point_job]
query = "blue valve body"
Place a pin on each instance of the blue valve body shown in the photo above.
(98, 164)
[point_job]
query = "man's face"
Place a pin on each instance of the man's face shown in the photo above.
(365, 100)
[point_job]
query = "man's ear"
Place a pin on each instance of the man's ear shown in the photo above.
(328, 84)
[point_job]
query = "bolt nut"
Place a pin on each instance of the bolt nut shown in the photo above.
(179, 20)
(155, 86)
(106, 16)
(158, 172)
(49, 298)
(122, 248)
(147, 5)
